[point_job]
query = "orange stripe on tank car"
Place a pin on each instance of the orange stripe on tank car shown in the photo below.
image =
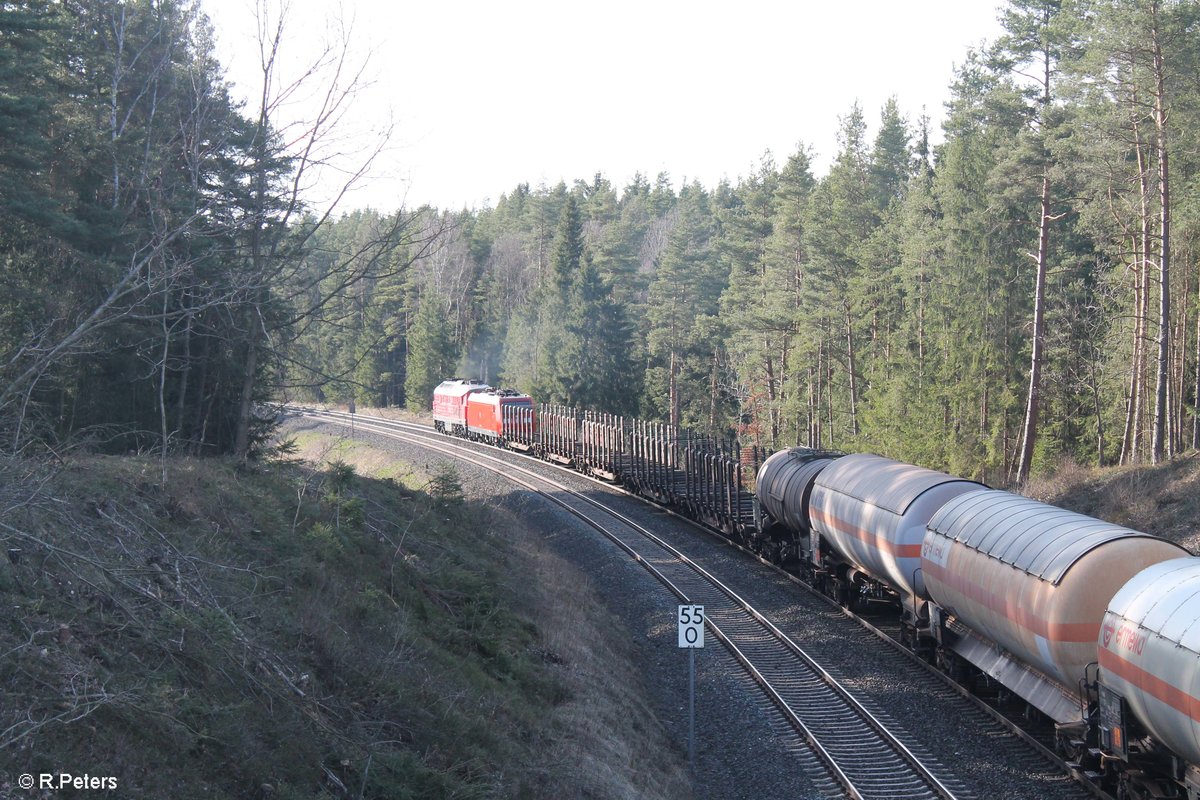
(869, 538)
(1073, 632)
(1152, 685)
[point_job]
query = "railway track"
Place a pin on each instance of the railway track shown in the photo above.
(1017, 756)
(860, 755)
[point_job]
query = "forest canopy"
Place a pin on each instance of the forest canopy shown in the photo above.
(1025, 291)
(1028, 290)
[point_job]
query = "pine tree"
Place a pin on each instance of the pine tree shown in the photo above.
(594, 366)
(891, 160)
(568, 246)
(760, 325)
(1033, 40)
(976, 302)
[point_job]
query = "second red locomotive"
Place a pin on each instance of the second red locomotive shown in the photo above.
(477, 411)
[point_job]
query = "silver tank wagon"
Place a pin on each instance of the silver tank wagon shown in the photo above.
(874, 510)
(1033, 579)
(1149, 647)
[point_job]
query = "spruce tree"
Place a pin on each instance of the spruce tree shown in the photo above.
(431, 353)
(684, 291)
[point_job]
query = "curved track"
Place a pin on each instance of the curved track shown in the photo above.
(858, 752)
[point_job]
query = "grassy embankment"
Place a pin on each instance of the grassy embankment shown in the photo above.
(356, 629)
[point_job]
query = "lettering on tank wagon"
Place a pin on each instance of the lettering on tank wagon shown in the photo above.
(1125, 637)
(936, 550)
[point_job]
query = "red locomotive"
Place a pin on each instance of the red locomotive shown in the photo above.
(502, 416)
(450, 404)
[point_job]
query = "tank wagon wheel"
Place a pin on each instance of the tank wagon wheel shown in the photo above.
(949, 664)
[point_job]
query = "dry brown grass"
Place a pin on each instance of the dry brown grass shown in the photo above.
(608, 743)
(1068, 475)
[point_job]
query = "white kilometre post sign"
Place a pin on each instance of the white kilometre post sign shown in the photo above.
(691, 636)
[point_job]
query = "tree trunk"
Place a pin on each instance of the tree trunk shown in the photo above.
(1143, 312)
(921, 330)
(162, 387)
(1133, 407)
(772, 397)
(1098, 407)
(1033, 404)
(713, 387)
(1196, 391)
(851, 367)
(784, 389)
(831, 431)
(812, 399)
(1179, 370)
(673, 391)
(817, 437)
(241, 443)
(1160, 447)
(199, 426)
(185, 374)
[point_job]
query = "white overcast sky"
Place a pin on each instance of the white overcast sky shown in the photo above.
(486, 95)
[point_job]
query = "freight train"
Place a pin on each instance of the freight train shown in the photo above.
(1094, 625)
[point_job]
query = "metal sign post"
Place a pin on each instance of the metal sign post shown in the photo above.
(691, 636)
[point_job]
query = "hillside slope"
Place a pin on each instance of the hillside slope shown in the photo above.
(1162, 499)
(293, 632)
